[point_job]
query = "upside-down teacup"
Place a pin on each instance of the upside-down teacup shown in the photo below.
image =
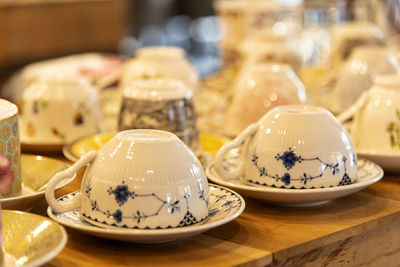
(376, 116)
(142, 179)
(293, 146)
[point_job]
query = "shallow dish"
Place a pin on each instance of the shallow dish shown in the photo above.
(367, 174)
(224, 206)
(388, 160)
(29, 239)
(36, 172)
(209, 145)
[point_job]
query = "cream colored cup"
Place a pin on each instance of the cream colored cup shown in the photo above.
(142, 179)
(58, 110)
(356, 75)
(259, 88)
(376, 116)
(293, 146)
(10, 151)
(162, 62)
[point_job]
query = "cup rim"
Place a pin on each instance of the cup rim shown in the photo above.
(301, 110)
(146, 136)
(7, 109)
(156, 89)
(160, 51)
(391, 80)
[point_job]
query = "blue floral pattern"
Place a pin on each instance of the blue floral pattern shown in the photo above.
(289, 160)
(121, 194)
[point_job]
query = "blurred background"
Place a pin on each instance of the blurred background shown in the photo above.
(210, 31)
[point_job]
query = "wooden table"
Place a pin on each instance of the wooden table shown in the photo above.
(361, 229)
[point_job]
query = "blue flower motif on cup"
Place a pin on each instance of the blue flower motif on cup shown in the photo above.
(122, 194)
(289, 160)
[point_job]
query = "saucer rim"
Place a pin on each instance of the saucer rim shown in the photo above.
(267, 189)
(35, 193)
(196, 228)
(51, 254)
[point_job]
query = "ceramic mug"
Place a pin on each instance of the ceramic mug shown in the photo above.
(376, 115)
(142, 179)
(160, 104)
(10, 151)
(293, 146)
(58, 110)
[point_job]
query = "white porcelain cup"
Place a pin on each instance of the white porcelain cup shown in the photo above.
(376, 115)
(162, 62)
(58, 110)
(293, 146)
(259, 88)
(142, 179)
(356, 75)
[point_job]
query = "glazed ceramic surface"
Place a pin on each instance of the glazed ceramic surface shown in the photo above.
(29, 239)
(150, 172)
(367, 174)
(388, 160)
(58, 110)
(355, 76)
(209, 145)
(293, 146)
(160, 62)
(10, 151)
(160, 104)
(348, 35)
(36, 172)
(261, 87)
(224, 206)
(380, 108)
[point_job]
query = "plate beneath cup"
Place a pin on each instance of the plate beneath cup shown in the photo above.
(29, 239)
(368, 173)
(36, 172)
(209, 145)
(389, 161)
(224, 206)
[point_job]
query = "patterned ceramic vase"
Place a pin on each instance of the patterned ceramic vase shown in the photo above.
(10, 154)
(160, 104)
(142, 179)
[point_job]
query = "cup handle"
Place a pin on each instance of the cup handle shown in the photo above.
(353, 109)
(65, 174)
(237, 142)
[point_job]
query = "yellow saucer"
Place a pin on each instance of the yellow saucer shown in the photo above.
(29, 239)
(36, 172)
(209, 144)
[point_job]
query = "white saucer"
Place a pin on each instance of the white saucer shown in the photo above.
(30, 240)
(368, 173)
(388, 160)
(225, 206)
(36, 172)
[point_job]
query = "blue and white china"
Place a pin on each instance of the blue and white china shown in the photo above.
(140, 179)
(293, 146)
(160, 104)
(367, 174)
(224, 206)
(376, 116)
